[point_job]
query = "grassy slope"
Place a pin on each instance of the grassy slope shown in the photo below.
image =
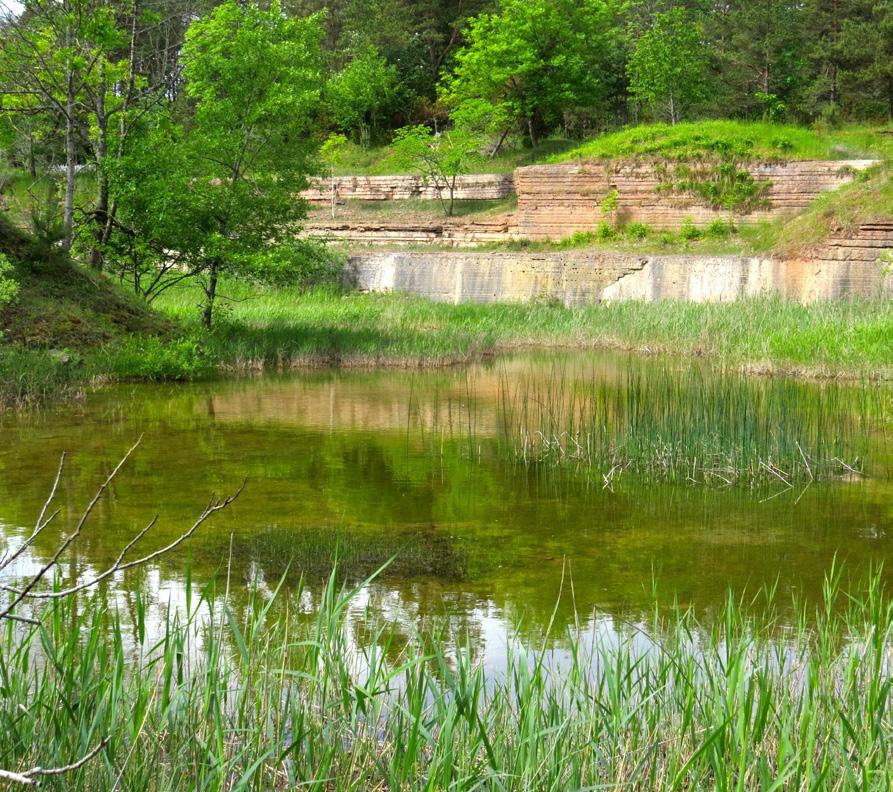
(266, 328)
(741, 140)
(58, 331)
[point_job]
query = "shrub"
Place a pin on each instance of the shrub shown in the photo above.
(689, 231)
(605, 232)
(9, 287)
(636, 231)
(720, 229)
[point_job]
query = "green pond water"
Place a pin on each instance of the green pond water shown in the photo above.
(456, 473)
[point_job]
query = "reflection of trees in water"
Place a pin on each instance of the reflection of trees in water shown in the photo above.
(458, 516)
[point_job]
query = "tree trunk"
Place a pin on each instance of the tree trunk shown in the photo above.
(70, 166)
(210, 294)
(531, 132)
(101, 210)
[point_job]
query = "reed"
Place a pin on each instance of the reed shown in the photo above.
(277, 694)
(689, 426)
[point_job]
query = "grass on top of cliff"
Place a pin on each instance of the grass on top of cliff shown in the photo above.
(737, 140)
(277, 328)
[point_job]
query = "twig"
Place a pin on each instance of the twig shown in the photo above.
(29, 777)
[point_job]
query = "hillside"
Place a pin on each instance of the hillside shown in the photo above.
(64, 306)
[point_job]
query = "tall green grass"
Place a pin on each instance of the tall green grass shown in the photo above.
(268, 697)
(265, 327)
(690, 426)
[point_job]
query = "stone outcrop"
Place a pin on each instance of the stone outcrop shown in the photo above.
(554, 201)
(396, 234)
(576, 278)
(470, 187)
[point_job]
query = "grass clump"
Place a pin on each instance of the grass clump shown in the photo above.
(267, 696)
(867, 199)
(686, 428)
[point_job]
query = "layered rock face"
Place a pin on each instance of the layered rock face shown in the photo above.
(554, 201)
(471, 187)
(577, 278)
(448, 234)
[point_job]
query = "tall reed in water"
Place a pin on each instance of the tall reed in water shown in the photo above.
(281, 694)
(690, 426)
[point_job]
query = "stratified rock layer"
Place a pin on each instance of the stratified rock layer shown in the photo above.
(845, 268)
(555, 201)
(470, 187)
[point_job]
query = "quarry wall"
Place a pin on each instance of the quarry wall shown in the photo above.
(554, 201)
(477, 187)
(845, 268)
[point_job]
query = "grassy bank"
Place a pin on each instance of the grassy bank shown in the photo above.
(265, 327)
(739, 140)
(267, 697)
(274, 329)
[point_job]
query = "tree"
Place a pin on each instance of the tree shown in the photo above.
(535, 60)
(92, 67)
(438, 158)
(668, 67)
(759, 47)
(222, 197)
(331, 152)
(362, 94)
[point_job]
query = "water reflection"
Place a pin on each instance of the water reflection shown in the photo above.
(365, 466)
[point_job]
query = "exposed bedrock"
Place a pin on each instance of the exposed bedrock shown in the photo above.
(842, 269)
(554, 201)
(471, 187)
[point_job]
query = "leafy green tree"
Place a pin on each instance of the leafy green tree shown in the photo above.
(9, 287)
(438, 158)
(332, 152)
(362, 94)
(535, 60)
(668, 67)
(759, 50)
(215, 193)
(838, 38)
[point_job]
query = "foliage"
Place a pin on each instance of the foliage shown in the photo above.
(721, 184)
(222, 198)
(533, 60)
(438, 158)
(9, 286)
(361, 96)
(668, 67)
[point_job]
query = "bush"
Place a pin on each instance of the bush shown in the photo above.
(605, 232)
(9, 287)
(720, 229)
(636, 232)
(689, 231)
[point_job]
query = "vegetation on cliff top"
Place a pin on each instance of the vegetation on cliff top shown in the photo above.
(744, 141)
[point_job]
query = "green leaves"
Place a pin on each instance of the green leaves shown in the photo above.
(533, 60)
(215, 191)
(668, 67)
(362, 93)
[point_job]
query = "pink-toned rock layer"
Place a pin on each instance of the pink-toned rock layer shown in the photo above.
(555, 201)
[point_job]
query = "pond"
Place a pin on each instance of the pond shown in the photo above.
(533, 487)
